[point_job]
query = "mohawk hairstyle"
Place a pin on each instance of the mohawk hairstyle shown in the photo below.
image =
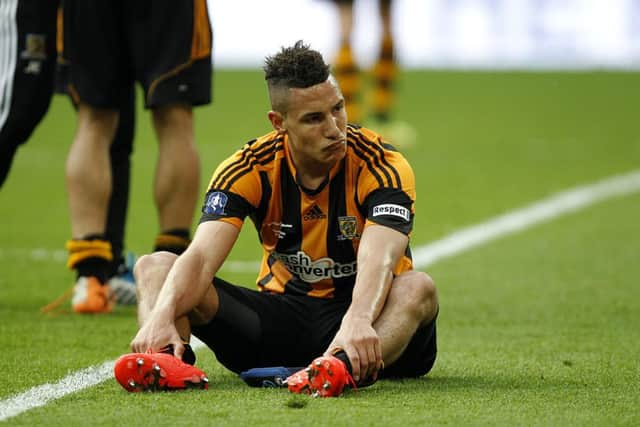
(296, 67)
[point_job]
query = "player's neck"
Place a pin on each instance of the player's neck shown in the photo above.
(310, 173)
(312, 180)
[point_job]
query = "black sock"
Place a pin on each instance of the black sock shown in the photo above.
(344, 358)
(94, 266)
(175, 241)
(187, 357)
(364, 382)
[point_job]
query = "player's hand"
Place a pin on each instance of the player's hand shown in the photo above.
(155, 336)
(361, 343)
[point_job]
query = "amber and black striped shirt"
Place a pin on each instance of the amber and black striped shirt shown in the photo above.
(310, 239)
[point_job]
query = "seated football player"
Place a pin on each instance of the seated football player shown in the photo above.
(333, 206)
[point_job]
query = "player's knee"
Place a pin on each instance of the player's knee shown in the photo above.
(421, 295)
(430, 296)
(172, 117)
(96, 124)
(153, 265)
(94, 117)
(141, 266)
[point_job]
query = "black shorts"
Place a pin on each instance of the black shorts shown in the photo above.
(257, 329)
(165, 45)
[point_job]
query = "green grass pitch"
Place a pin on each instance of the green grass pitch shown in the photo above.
(537, 328)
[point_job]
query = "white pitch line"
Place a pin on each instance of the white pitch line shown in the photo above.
(545, 210)
(560, 204)
(60, 256)
(41, 395)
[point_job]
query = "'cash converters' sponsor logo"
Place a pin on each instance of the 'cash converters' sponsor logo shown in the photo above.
(312, 271)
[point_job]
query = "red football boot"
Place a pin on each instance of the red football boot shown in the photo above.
(299, 382)
(325, 377)
(157, 372)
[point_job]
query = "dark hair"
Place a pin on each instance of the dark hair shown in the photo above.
(296, 67)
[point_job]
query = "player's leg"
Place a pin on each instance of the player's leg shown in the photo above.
(244, 327)
(172, 87)
(97, 80)
(177, 176)
(159, 370)
(346, 69)
(121, 281)
(88, 170)
(150, 272)
(248, 329)
(27, 52)
(119, 275)
(385, 76)
(385, 69)
(120, 161)
(406, 326)
(412, 304)
(88, 180)
(7, 154)
(406, 329)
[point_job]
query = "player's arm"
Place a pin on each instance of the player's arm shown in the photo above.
(386, 188)
(190, 277)
(222, 216)
(380, 250)
(186, 285)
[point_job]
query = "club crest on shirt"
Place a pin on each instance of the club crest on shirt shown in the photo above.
(215, 204)
(348, 228)
(34, 46)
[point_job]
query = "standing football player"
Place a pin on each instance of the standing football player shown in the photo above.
(28, 53)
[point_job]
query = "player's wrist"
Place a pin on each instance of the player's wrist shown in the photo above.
(358, 317)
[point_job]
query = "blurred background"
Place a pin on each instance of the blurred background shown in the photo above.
(493, 34)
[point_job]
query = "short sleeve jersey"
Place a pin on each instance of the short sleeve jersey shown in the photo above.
(310, 238)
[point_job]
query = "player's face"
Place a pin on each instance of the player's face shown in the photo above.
(316, 123)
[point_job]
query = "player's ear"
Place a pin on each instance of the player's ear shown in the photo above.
(277, 121)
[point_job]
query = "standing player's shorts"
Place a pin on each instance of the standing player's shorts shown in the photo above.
(255, 329)
(165, 45)
(27, 60)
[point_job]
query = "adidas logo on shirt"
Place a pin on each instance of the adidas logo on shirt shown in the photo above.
(314, 213)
